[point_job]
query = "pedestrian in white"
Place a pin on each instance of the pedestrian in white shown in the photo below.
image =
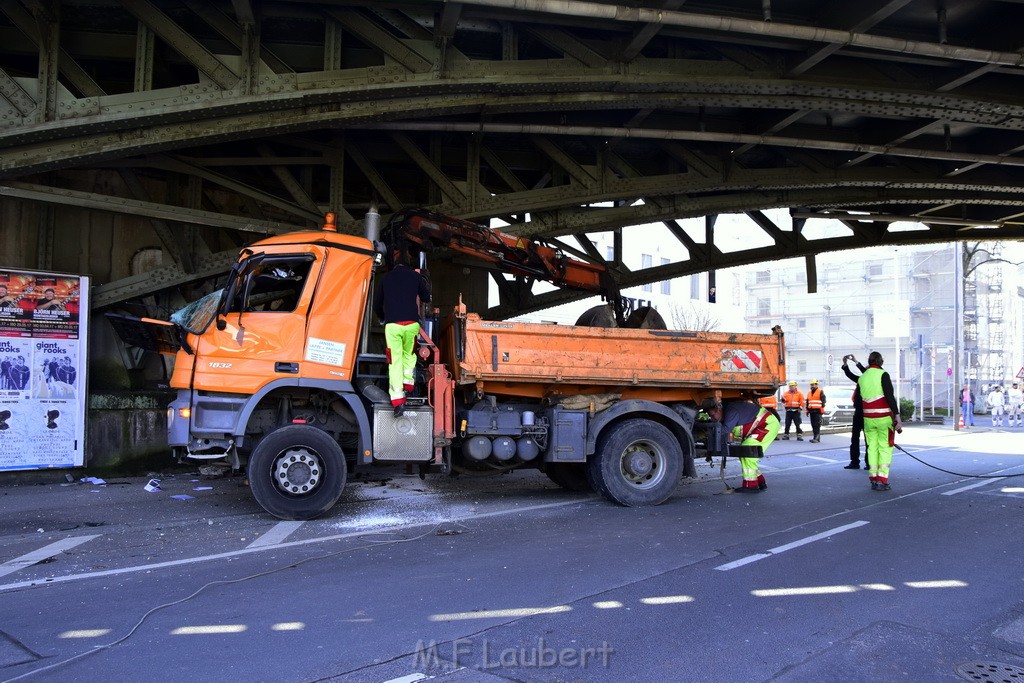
(997, 402)
(1014, 404)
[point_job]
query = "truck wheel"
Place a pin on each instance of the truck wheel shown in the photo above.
(297, 472)
(571, 476)
(638, 462)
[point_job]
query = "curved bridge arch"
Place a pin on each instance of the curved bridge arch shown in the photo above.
(521, 111)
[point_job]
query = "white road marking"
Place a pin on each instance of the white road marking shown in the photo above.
(43, 553)
(290, 544)
(789, 546)
(975, 485)
(411, 678)
(276, 535)
(814, 457)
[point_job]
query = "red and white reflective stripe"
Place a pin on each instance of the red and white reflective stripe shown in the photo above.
(756, 428)
(876, 406)
(741, 360)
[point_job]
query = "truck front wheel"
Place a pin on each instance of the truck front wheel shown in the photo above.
(297, 472)
(637, 462)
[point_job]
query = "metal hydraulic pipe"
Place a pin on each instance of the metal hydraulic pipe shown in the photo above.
(594, 10)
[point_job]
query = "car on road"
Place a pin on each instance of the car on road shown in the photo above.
(838, 405)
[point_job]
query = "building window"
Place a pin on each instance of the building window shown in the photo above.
(801, 366)
(695, 287)
(609, 252)
(801, 323)
(666, 285)
(874, 270)
(646, 261)
(763, 277)
(764, 307)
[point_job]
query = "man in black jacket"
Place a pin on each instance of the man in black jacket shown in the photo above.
(858, 416)
(397, 306)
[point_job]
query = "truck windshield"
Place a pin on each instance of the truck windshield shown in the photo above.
(198, 315)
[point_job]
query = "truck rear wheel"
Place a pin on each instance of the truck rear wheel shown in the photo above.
(637, 462)
(571, 476)
(297, 472)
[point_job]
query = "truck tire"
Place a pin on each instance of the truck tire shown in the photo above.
(638, 462)
(571, 476)
(297, 472)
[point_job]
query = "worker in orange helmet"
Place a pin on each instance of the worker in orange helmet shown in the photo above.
(794, 401)
(815, 405)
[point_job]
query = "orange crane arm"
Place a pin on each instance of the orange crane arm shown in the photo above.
(511, 253)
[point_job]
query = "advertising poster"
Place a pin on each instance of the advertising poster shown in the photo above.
(42, 368)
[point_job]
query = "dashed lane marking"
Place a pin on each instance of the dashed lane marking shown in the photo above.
(789, 546)
(277, 534)
(814, 457)
(46, 552)
(968, 487)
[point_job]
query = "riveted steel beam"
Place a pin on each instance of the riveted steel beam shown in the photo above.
(378, 182)
(436, 175)
(396, 50)
(19, 99)
(211, 265)
(67, 65)
(183, 43)
(232, 32)
(100, 202)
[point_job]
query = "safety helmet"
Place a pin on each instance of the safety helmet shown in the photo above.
(792, 382)
(813, 382)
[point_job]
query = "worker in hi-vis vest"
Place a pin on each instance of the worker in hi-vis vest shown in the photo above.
(881, 420)
(794, 402)
(815, 407)
(751, 425)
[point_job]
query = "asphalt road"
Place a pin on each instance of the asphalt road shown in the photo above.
(512, 579)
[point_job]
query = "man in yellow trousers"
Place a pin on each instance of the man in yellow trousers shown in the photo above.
(881, 420)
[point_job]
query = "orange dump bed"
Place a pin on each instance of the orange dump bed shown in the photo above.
(524, 359)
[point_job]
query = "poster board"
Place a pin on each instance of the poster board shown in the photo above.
(43, 340)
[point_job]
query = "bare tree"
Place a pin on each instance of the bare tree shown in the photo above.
(690, 317)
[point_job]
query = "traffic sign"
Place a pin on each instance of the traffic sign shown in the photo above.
(1020, 373)
(831, 359)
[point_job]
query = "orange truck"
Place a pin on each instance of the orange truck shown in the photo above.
(275, 374)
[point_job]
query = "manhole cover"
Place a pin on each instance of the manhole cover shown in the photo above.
(990, 671)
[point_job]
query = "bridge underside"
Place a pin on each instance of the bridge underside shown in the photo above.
(197, 126)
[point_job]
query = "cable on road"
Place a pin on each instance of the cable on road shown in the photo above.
(958, 474)
(439, 530)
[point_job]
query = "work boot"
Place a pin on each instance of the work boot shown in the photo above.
(784, 437)
(875, 485)
(400, 410)
(866, 466)
(799, 438)
(761, 483)
(883, 486)
(746, 488)
(852, 466)
(815, 440)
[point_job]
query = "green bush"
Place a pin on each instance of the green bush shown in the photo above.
(906, 409)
